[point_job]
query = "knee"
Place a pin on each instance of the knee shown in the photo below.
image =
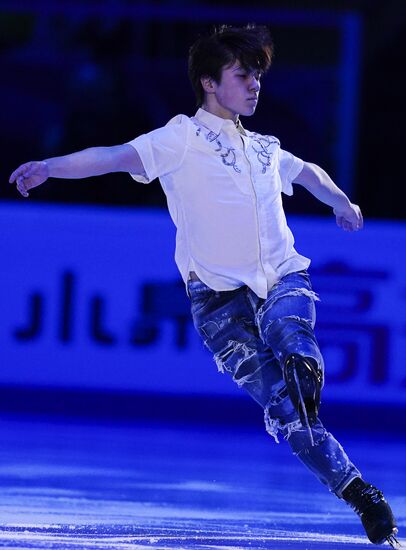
(288, 335)
(289, 324)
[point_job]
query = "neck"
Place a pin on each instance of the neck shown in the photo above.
(221, 112)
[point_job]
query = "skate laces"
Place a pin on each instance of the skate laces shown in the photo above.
(376, 515)
(368, 496)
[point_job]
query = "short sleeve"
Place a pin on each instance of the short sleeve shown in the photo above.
(162, 150)
(289, 168)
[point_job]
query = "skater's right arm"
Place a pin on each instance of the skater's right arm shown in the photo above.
(94, 161)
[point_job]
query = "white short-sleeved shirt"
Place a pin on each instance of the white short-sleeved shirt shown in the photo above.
(223, 186)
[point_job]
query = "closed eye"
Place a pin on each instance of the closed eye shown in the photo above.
(257, 76)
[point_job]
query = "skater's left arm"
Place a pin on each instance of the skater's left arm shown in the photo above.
(318, 183)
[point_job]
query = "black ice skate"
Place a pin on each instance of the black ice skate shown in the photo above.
(375, 513)
(303, 381)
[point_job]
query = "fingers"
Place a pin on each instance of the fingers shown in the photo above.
(19, 176)
(344, 224)
(26, 176)
(360, 220)
(21, 170)
(349, 225)
(351, 220)
(21, 186)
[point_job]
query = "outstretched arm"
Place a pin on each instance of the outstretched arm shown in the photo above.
(89, 162)
(319, 184)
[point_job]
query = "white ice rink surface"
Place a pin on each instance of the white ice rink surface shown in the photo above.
(71, 485)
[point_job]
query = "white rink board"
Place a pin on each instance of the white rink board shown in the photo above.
(91, 298)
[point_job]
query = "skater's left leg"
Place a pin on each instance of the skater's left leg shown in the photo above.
(286, 322)
(326, 458)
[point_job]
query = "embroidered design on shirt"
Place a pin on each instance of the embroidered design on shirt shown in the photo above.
(261, 145)
(227, 154)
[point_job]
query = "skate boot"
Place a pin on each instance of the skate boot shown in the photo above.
(375, 513)
(303, 380)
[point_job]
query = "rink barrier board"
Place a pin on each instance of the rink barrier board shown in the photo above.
(91, 300)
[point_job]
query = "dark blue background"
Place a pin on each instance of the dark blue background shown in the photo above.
(78, 74)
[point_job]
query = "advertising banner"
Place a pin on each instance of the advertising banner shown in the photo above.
(90, 298)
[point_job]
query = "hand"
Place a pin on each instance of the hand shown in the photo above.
(29, 175)
(349, 219)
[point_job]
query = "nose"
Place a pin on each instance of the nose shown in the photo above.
(255, 84)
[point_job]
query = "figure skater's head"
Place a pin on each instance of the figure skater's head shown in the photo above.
(227, 63)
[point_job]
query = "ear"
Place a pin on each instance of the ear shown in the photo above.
(207, 84)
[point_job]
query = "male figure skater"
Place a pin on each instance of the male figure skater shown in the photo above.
(251, 296)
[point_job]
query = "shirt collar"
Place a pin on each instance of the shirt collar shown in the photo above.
(216, 124)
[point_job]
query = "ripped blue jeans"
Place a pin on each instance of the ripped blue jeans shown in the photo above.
(250, 339)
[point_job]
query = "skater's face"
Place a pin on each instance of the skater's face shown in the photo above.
(235, 94)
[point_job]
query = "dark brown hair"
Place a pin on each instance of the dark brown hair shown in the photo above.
(251, 45)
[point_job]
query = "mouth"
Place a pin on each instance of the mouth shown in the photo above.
(253, 99)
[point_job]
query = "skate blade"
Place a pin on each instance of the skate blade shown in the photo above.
(305, 419)
(393, 541)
